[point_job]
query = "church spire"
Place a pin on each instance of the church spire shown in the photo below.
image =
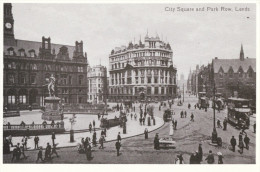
(242, 53)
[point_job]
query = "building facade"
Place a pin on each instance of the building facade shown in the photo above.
(28, 65)
(97, 84)
(232, 77)
(235, 77)
(142, 71)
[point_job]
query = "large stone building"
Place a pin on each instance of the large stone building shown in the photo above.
(142, 71)
(97, 84)
(29, 64)
(232, 76)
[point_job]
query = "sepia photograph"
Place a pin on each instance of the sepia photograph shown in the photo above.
(129, 83)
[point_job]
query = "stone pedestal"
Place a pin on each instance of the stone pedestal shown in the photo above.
(52, 111)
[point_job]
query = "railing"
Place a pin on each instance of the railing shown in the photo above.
(33, 127)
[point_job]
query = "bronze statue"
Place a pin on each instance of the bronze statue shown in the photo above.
(51, 86)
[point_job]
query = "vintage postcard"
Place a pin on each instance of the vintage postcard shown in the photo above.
(129, 83)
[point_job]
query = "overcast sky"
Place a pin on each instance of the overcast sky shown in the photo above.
(195, 37)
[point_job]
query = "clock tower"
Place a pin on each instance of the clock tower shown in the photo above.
(8, 25)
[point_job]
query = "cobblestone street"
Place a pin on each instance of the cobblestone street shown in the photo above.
(137, 150)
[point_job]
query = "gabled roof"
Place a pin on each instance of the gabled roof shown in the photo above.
(234, 63)
(33, 45)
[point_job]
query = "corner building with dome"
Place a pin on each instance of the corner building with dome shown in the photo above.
(142, 72)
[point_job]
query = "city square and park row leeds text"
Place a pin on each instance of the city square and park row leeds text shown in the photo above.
(180, 9)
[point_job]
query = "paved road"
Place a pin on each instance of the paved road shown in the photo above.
(188, 135)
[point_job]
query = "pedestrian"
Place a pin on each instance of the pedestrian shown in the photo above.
(159, 108)
(10, 140)
(53, 137)
(101, 142)
(6, 146)
(200, 152)
(48, 152)
(54, 151)
(88, 152)
(18, 155)
(193, 158)
(15, 152)
(241, 145)
(197, 158)
(225, 124)
(119, 137)
(118, 145)
(233, 143)
(175, 125)
(210, 158)
(140, 120)
(22, 152)
(195, 106)
(185, 114)
(39, 155)
(181, 114)
(179, 159)
(105, 132)
(131, 116)
(143, 120)
(90, 127)
(220, 158)
(36, 142)
(240, 136)
(146, 133)
(156, 141)
(219, 124)
(192, 117)
(94, 139)
(247, 140)
(135, 116)
(94, 123)
(254, 126)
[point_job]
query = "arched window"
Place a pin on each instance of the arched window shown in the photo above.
(250, 72)
(11, 96)
(80, 80)
(240, 72)
(22, 96)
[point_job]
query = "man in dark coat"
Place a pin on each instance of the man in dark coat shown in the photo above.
(118, 145)
(39, 156)
(210, 158)
(119, 137)
(246, 140)
(146, 133)
(193, 159)
(36, 142)
(90, 127)
(175, 125)
(225, 124)
(233, 143)
(94, 139)
(53, 137)
(48, 152)
(254, 126)
(200, 152)
(156, 141)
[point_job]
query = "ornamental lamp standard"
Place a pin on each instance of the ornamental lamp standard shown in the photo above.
(214, 132)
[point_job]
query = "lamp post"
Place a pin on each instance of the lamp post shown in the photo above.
(214, 132)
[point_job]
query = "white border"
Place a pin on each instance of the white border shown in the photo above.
(133, 167)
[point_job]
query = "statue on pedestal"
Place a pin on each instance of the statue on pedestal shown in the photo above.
(51, 86)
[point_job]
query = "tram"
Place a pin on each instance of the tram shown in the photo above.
(239, 112)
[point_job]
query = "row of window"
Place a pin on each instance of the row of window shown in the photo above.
(142, 80)
(148, 90)
(240, 74)
(22, 79)
(140, 54)
(21, 53)
(26, 66)
(142, 72)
